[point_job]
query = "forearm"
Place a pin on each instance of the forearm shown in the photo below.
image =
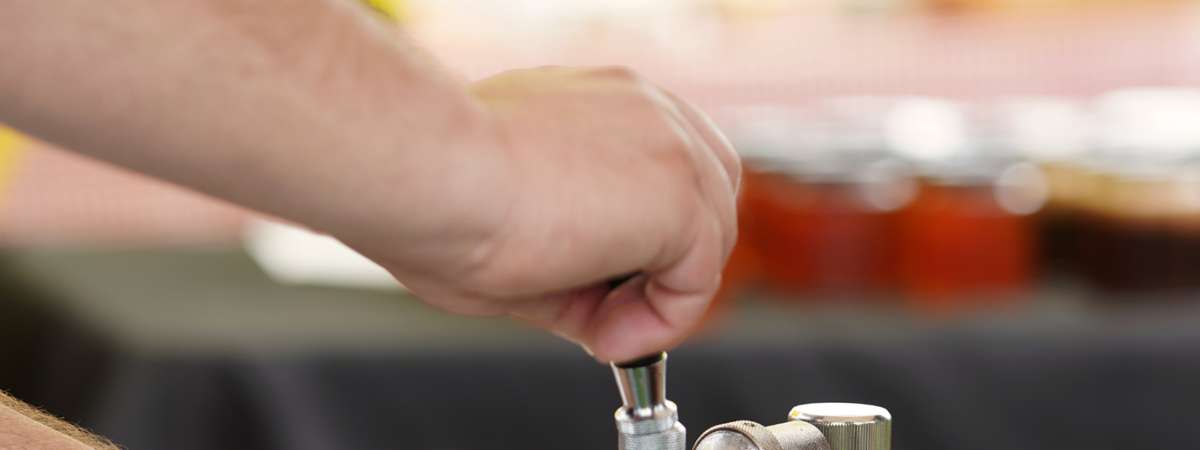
(25, 427)
(521, 197)
(284, 106)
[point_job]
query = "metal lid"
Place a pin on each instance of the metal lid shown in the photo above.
(849, 426)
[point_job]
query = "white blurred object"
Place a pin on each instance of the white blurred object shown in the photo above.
(1150, 122)
(1045, 128)
(888, 185)
(775, 132)
(927, 129)
(1022, 189)
(293, 255)
(859, 123)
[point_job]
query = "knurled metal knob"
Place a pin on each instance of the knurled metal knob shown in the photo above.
(848, 426)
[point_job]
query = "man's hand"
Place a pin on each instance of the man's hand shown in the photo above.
(522, 194)
(595, 174)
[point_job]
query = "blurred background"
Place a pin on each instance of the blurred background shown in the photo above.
(981, 214)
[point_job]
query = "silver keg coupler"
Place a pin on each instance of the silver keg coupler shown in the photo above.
(646, 420)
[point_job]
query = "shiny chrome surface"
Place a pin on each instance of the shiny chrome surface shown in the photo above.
(646, 420)
(746, 435)
(662, 417)
(643, 384)
(848, 426)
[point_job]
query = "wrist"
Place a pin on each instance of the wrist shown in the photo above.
(432, 185)
(404, 131)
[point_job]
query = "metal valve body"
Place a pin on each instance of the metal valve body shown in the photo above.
(815, 426)
(646, 420)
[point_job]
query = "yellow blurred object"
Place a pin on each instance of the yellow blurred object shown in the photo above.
(397, 10)
(10, 142)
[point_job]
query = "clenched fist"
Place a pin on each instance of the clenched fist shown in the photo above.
(580, 177)
(525, 194)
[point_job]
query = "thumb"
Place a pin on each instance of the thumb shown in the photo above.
(656, 311)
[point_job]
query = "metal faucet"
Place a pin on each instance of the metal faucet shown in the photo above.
(646, 420)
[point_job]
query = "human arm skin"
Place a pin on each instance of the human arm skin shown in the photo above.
(520, 194)
(27, 428)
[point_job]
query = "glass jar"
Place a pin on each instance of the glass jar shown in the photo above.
(969, 234)
(822, 224)
(1139, 230)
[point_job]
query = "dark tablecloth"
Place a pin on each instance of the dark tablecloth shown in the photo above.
(198, 350)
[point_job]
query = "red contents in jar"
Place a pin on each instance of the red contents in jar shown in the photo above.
(817, 236)
(958, 242)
